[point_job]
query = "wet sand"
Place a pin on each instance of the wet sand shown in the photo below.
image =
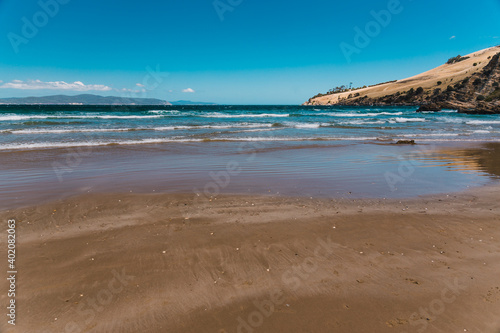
(323, 169)
(168, 263)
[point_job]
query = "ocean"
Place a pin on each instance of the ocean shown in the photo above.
(38, 127)
(51, 152)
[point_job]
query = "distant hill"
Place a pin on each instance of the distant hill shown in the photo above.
(182, 102)
(89, 99)
(84, 99)
(469, 84)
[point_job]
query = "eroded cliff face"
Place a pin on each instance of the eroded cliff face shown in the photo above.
(479, 94)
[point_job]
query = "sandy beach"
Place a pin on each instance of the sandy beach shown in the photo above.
(240, 166)
(166, 263)
(247, 237)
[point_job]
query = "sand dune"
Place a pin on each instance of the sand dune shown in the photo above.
(447, 74)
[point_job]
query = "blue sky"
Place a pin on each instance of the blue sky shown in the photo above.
(229, 51)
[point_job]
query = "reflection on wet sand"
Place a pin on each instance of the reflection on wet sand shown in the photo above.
(319, 170)
(485, 158)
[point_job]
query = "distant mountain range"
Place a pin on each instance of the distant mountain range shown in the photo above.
(183, 102)
(89, 99)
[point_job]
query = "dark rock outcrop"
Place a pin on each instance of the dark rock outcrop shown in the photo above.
(406, 142)
(429, 107)
(482, 108)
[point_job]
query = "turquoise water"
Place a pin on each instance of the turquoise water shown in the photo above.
(38, 127)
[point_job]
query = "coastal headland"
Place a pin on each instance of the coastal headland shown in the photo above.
(469, 84)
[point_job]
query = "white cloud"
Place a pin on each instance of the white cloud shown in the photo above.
(55, 85)
(139, 85)
(188, 90)
(453, 37)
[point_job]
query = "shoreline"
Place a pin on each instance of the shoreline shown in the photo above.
(314, 264)
(311, 141)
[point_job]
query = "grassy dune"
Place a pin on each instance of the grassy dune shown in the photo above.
(446, 74)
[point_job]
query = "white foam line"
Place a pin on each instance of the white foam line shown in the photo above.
(362, 122)
(406, 120)
(305, 125)
(262, 115)
(303, 139)
(15, 117)
(90, 130)
(47, 145)
(459, 140)
(164, 111)
(384, 114)
(482, 122)
(260, 130)
(104, 130)
(342, 114)
(56, 117)
(432, 134)
(239, 125)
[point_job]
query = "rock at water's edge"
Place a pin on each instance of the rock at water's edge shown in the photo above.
(429, 107)
(406, 142)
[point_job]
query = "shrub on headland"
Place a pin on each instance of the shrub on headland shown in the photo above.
(456, 59)
(493, 96)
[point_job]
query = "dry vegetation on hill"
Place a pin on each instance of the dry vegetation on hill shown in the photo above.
(469, 84)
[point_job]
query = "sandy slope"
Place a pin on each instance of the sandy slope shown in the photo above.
(166, 263)
(447, 74)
